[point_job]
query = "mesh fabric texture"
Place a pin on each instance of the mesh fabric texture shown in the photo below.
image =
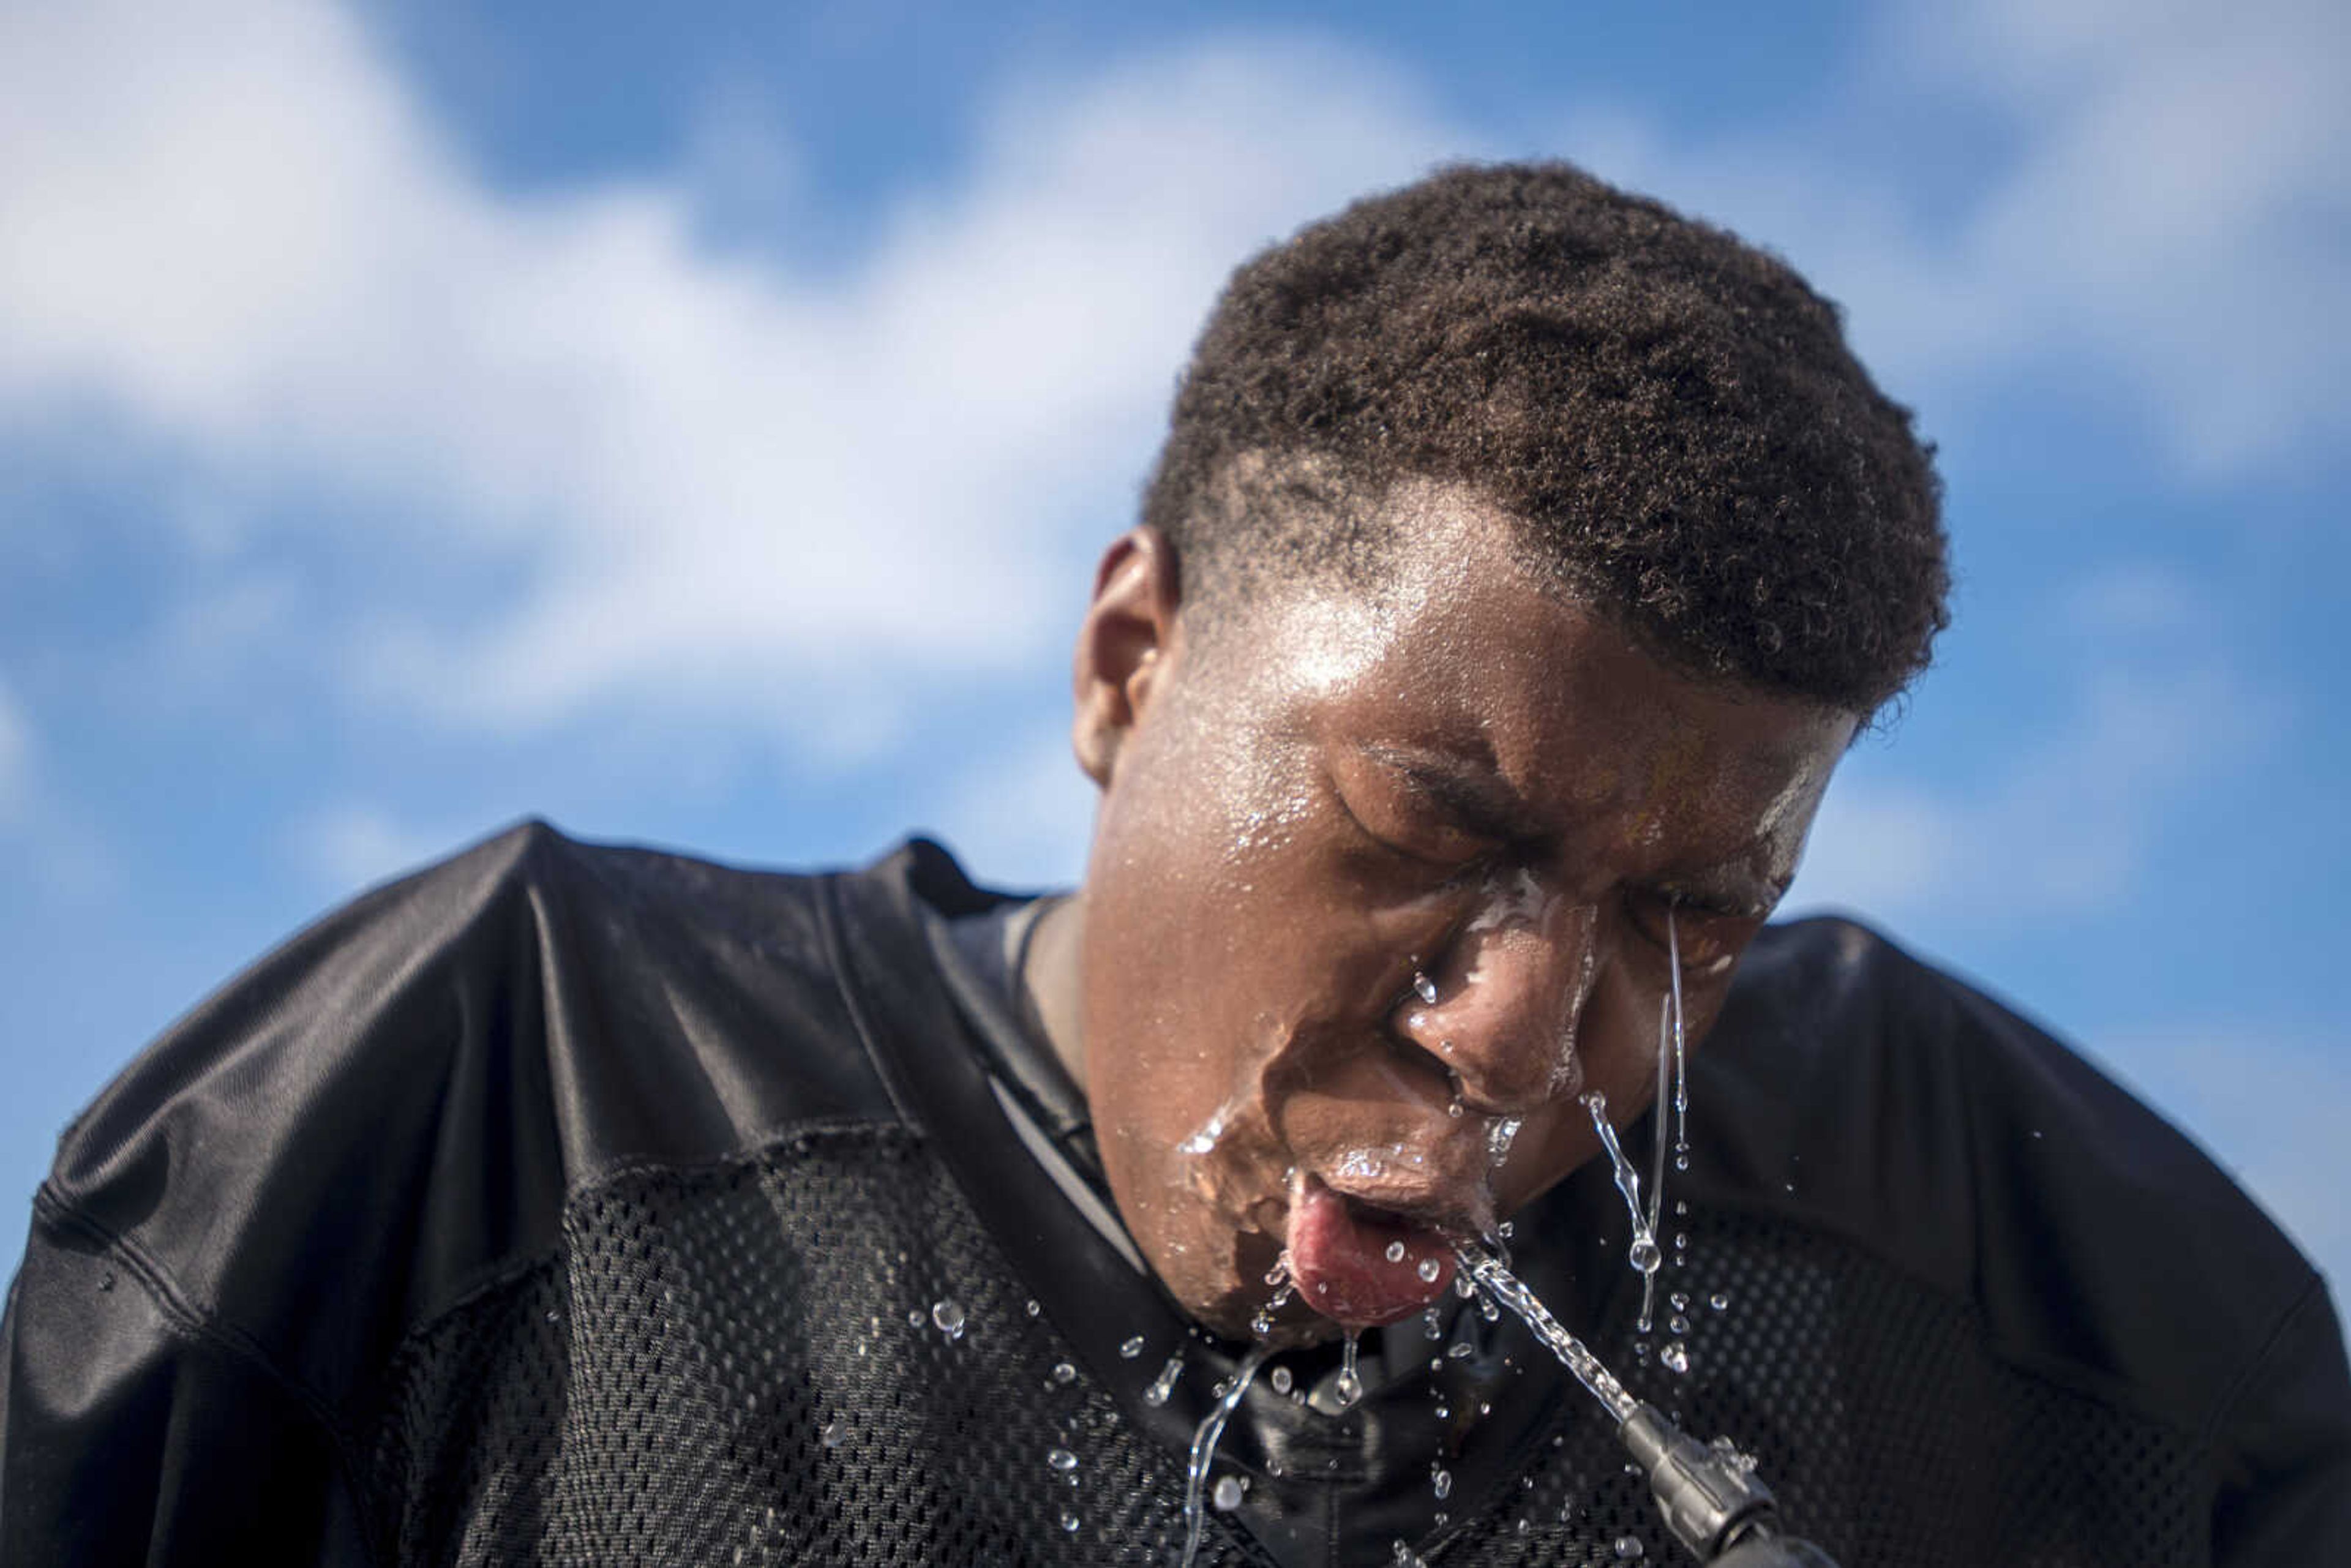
(740, 1364)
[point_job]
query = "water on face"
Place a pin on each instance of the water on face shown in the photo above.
(1499, 1135)
(1204, 1448)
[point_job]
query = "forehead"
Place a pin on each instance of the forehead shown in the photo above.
(1464, 650)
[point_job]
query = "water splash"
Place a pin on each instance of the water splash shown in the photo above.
(1643, 1254)
(1164, 1386)
(1681, 1055)
(1349, 1389)
(1497, 1283)
(1204, 1448)
(1657, 1141)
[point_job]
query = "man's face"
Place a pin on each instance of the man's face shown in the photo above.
(1379, 891)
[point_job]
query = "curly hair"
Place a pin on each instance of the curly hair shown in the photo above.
(1671, 415)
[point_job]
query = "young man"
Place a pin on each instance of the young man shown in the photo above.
(1521, 559)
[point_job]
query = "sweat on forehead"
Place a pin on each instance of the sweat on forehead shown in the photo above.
(1671, 414)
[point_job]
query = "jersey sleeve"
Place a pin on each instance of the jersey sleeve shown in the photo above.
(129, 1434)
(2286, 1433)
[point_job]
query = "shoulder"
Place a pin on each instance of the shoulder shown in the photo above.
(1869, 1093)
(389, 1109)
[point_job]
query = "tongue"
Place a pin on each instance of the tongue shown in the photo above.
(1338, 1256)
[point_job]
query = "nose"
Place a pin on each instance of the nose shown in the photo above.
(1509, 996)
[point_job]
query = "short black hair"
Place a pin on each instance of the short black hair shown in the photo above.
(1671, 413)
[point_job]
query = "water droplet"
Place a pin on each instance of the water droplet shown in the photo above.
(1506, 1230)
(1063, 1373)
(1228, 1494)
(1165, 1383)
(1644, 1254)
(1069, 1522)
(1718, 1301)
(1281, 1379)
(1680, 1302)
(1128, 1350)
(1628, 1547)
(1349, 1388)
(1396, 1253)
(1681, 1206)
(1457, 1107)
(1441, 1483)
(1204, 1439)
(832, 1434)
(106, 1280)
(1032, 1308)
(1681, 1160)
(948, 1316)
(1428, 1270)
(1061, 1460)
(915, 1318)
(1675, 1356)
(1459, 1350)
(1425, 986)
(1677, 1324)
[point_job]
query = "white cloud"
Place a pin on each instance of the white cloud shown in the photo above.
(347, 847)
(2170, 217)
(47, 841)
(16, 755)
(2066, 824)
(233, 225)
(1025, 817)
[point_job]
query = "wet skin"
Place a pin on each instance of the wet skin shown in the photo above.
(1467, 776)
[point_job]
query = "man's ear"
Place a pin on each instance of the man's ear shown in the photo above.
(1125, 646)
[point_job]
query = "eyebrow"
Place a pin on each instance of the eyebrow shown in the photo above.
(1471, 792)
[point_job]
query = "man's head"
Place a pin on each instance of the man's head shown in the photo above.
(1671, 415)
(1522, 560)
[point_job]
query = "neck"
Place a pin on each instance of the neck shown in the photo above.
(1048, 978)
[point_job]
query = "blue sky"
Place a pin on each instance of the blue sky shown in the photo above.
(699, 432)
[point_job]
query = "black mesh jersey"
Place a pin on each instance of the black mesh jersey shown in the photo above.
(579, 1205)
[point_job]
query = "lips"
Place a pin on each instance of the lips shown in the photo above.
(1340, 1256)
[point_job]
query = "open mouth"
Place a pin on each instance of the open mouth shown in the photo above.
(1358, 1265)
